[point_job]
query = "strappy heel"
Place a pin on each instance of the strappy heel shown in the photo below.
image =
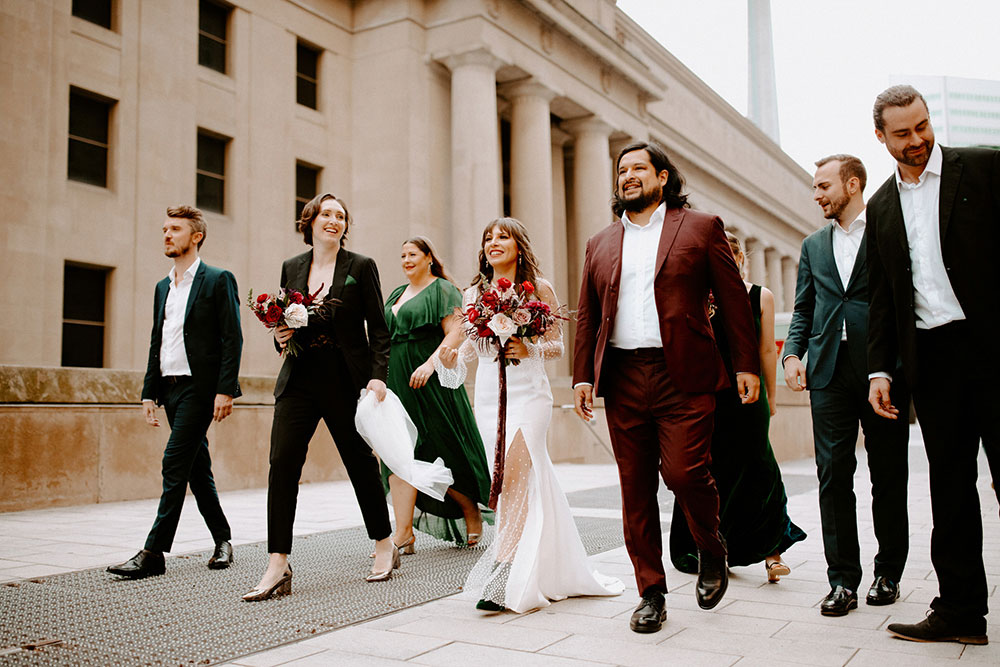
(386, 575)
(407, 548)
(281, 587)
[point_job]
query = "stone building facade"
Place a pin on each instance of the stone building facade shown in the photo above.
(427, 116)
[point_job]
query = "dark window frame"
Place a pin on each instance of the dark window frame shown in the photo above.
(300, 199)
(76, 323)
(205, 173)
(102, 143)
(307, 84)
(84, 14)
(215, 39)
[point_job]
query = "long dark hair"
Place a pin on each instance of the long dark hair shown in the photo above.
(672, 195)
(527, 264)
(425, 246)
(312, 209)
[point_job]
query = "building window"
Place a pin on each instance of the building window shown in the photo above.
(210, 188)
(306, 180)
(213, 26)
(306, 75)
(89, 119)
(84, 296)
(95, 11)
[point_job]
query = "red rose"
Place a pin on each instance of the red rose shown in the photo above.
(484, 331)
(527, 287)
(472, 314)
(274, 313)
(503, 283)
(295, 297)
(491, 299)
(262, 298)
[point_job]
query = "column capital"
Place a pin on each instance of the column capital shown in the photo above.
(559, 138)
(528, 87)
(477, 56)
(586, 125)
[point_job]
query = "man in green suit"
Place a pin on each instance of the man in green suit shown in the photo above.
(830, 328)
(194, 362)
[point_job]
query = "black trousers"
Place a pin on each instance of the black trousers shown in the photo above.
(837, 409)
(313, 393)
(956, 398)
(186, 461)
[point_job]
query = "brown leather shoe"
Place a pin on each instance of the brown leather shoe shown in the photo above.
(934, 628)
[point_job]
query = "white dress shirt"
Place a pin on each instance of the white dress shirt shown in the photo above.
(636, 322)
(173, 355)
(846, 245)
(934, 299)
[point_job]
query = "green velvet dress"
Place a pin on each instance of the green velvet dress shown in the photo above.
(753, 514)
(445, 424)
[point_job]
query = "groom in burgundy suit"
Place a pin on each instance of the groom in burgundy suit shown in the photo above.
(644, 343)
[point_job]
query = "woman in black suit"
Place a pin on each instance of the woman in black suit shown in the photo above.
(338, 358)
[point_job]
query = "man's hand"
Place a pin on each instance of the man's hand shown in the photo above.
(378, 387)
(422, 374)
(583, 402)
(878, 396)
(795, 374)
(748, 386)
(282, 334)
(149, 412)
(223, 407)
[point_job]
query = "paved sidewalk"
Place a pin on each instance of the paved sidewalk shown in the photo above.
(757, 623)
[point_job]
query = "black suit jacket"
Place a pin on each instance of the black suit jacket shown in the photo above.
(969, 218)
(823, 304)
(354, 319)
(213, 339)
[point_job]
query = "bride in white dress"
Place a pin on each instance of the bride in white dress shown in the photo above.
(536, 555)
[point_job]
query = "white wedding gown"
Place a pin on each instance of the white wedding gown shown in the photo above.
(536, 554)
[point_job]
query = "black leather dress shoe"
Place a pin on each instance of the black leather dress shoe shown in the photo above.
(650, 614)
(839, 602)
(143, 564)
(883, 591)
(713, 579)
(222, 557)
(934, 628)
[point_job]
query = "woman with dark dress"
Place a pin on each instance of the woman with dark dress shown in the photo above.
(420, 314)
(753, 514)
(338, 359)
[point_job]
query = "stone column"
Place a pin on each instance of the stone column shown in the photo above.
(559, 272)
(531, 165)
(475, 153)
(591, 188)
(775, 279)
(789, 276)
(756, 270)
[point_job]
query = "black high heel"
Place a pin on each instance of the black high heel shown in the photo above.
(282, 587)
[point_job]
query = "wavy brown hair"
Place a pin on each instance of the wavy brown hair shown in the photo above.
(425, 246)
(527, 264)
(309, 212)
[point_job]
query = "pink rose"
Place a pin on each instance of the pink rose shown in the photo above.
(521, 317)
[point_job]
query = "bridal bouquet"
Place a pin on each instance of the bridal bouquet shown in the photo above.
(286, 307)
(502, 312)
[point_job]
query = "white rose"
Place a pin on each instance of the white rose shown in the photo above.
(502, 326)
(296, 316)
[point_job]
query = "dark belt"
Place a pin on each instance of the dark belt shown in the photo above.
(174, 379)
(957, 329)
(643, 352)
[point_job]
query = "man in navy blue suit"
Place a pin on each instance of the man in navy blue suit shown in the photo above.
(194, 362)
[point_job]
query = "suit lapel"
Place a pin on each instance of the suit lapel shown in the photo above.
(340, 273)
(951, 173)
(829, 257)
(615, 253)
(671, 226)
(162, 289)
(859, 262)
(892, 212)
(199, 278)
(300, 281)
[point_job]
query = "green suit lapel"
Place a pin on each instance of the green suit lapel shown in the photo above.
(199, 278)
(829, 259)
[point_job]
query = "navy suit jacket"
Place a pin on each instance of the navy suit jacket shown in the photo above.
(823, 304)
(969, 212)
(213, 340)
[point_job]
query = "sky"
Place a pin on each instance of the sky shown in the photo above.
(831, 59)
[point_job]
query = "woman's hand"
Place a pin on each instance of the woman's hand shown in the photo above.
(378, 387)
(773, 406)
(515, 349)
(422, 374)
(448, 356)
(281, 334)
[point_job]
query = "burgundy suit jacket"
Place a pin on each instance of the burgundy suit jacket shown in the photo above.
(693, 257)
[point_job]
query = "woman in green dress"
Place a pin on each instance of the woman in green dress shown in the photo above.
(419, 315)
(753, 514)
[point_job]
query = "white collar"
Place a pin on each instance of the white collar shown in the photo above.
(188, 273)
(859, 223)
(656, 218)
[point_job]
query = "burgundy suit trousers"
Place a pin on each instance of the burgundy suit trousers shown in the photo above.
(657, 429)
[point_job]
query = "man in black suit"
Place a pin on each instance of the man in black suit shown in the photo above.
(829, 326)
(933, 271)
(194, 361)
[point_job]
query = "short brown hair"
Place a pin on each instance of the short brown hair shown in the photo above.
(194, 218)
(850, 167)
(312, 209)
(894, 96)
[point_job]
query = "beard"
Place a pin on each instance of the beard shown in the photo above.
(176, 250)
(837, 206)
(643, 200)
(914, 156)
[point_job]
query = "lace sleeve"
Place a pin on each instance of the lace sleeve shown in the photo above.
(453, 378)
(550, 345)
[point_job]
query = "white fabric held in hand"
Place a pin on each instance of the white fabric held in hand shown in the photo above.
(391, 434)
